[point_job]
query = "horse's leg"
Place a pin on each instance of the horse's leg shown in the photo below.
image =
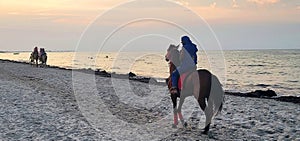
(204, 94)
(215, 102)
(207, 111)
(181, 101)
(202, 103)
(36, 62)
(43, 63)
(208, 115)
(194, 86)
(174, 100)
(45, 60)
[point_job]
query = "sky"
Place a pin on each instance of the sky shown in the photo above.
(114, 25)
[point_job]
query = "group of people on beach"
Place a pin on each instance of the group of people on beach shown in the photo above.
(38, 55)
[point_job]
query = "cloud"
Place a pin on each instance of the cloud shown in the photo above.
(72, 21)
(213, 5)
(182, 2)
(264, 2)
(234, 4)
(14, 13)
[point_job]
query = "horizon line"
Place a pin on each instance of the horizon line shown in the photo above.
(250, 49)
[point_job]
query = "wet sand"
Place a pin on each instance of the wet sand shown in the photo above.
(54, 104)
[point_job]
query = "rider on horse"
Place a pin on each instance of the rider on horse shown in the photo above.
(188, 59)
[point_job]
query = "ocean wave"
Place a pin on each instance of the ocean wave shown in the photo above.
(262, 85)
(263, 73)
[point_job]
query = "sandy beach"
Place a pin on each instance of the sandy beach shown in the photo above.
(54, 104)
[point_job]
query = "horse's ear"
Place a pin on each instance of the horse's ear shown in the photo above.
(171, 46)
(177, 46)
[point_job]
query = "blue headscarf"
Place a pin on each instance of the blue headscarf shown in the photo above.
(190, 48)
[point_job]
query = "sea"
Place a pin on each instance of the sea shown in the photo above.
(238, 70)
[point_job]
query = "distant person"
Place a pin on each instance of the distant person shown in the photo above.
(35, 50)
(34, 56)
(43, 56)
(42, 52)
(188, 58)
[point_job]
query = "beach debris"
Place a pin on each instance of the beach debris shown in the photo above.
(131, 74)
(102, 73)
(269, 94)
(256, 93)
(292, 99)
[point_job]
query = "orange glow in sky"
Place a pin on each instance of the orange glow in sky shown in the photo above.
(262, 10)
(41, 20)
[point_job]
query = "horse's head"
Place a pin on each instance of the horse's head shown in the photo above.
(172, 57)
(170, 52)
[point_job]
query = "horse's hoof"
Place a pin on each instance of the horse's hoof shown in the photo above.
(206, 129)
(174, 126)
(205, 132)
(185, 124)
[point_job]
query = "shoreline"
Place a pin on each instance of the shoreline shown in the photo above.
(264, 94)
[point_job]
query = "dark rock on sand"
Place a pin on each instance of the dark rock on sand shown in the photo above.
(256, 93)
(102, 73)
(292, 99)
(131, 74)
(140, 79)
(268, 94)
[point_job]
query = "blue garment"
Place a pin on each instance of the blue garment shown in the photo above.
(188, 62)
(189, 52)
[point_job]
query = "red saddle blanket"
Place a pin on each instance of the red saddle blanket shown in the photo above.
(182, 78)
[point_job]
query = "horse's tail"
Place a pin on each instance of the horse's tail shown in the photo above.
(220, 108)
